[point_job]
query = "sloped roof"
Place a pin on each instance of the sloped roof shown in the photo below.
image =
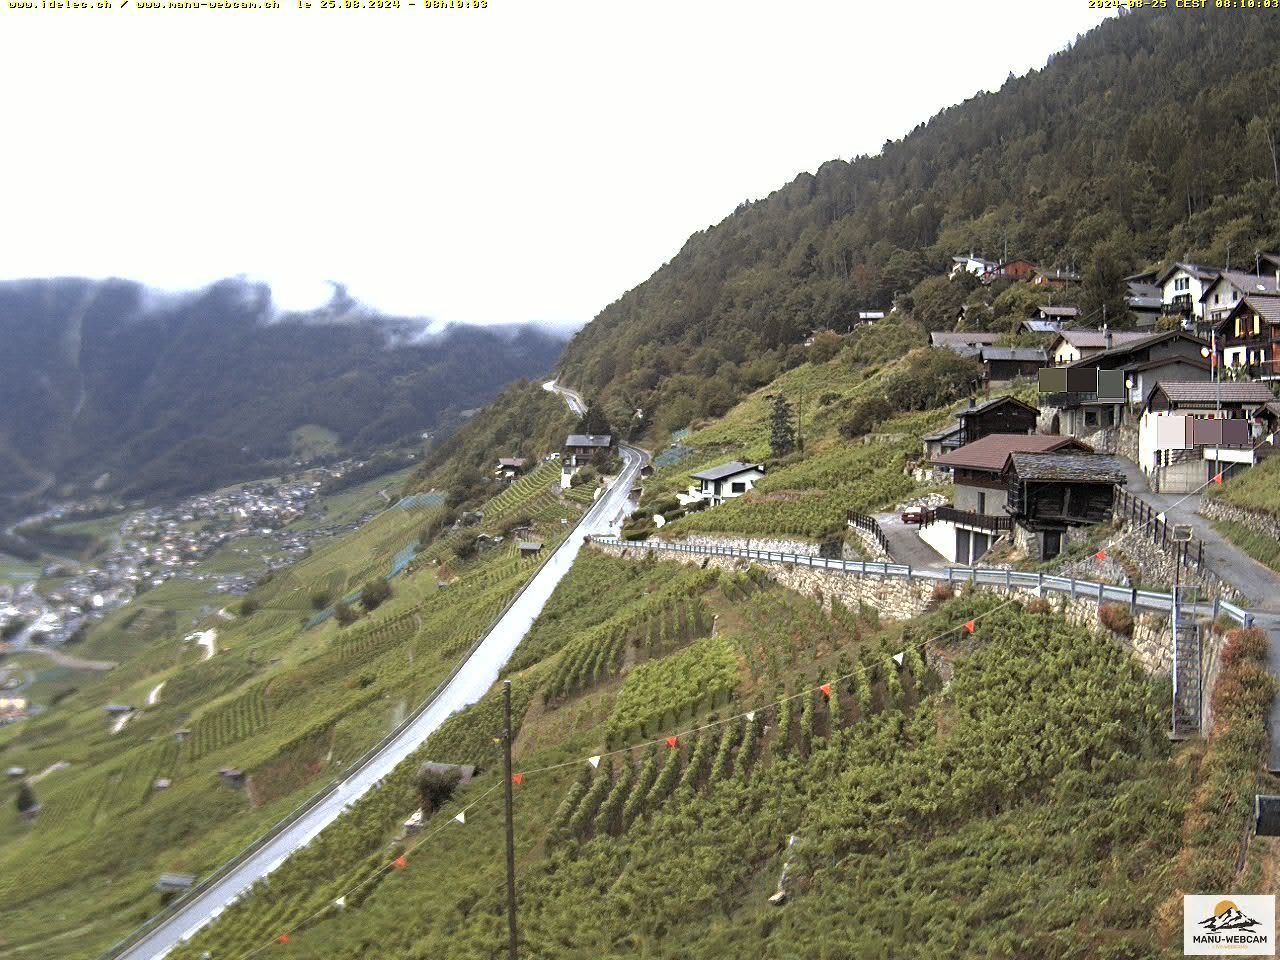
(1139, 343)
(992, 404)
(1030, 354)
(589, 440)
(1094, 339)
(1206, 391)
(1268, 308)
(962, 339)
(1196, 270)
(1060, 311)
(1042, 326)
(511, 461)
(991, 452)
(730, 469)
(1246, 283)
(947, 431)
(1076, 467)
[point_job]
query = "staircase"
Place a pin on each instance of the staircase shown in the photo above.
(1189, 681)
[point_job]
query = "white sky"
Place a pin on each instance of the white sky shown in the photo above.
(526, 162)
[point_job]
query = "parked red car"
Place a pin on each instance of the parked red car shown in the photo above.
(914, 515)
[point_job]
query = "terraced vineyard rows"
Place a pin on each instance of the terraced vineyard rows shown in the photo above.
(230, 723)
(521, 492)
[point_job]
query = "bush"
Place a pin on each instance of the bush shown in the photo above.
(344, 614)
(1116, 618)
(248, 607)
(374, 593)
(320, 599)
(865, 414)
(435, 787)
(1039, 605)
(942, 592)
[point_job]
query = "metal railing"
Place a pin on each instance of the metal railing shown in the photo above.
(871, 525)
(1189, 553)
(977, 576)
(983, 521)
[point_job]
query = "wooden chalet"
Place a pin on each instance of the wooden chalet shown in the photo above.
(1049, 492)
(1249, 338)
(580, 448)
(1002, 364)
(1000, 415)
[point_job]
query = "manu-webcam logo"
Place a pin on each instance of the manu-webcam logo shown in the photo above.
(1230, 925)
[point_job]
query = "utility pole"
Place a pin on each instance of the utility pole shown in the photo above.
(511, 832)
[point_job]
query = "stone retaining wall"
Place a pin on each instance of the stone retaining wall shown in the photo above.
(801, 548)
(897, 598)
(1215, 508)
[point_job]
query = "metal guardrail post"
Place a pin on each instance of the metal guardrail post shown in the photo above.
(1040, 583)
(1073, 588)
(908, 572)
(1133, 602)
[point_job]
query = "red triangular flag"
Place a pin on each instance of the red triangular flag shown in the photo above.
(671, 742)
(1101, 554)
(517, 778)
(1217, 478)
(971, 626)
(826, 689)
(400, 862)
(283, 938)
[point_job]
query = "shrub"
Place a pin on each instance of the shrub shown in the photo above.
(374, 593)
(942, 592)
(1039, 605)
(320, 599)
(1116, 618)
(435, 787)
(344, 614)
(248, 606)
(865, 415)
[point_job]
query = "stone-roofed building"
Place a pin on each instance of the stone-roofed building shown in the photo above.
(1049, 493)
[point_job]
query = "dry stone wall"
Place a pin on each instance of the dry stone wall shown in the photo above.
(1215, 508)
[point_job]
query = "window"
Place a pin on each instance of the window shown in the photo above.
(1217, 298)
(1091, 418)
(739, 486)
(982, 503)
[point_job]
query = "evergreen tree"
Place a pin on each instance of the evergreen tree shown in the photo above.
(593, 421)
(782, 437)
(26, 798)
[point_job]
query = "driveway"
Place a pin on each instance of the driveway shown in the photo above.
(905, 545)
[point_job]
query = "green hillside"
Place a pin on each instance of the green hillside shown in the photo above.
(1109, 158)
(290, 698)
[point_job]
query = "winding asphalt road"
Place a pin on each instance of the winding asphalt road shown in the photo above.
(468, 685)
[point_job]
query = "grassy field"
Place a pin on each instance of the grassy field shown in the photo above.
(1255, 543)
(1033, 807)
(289, 706)
(1257, 488)
(15, 572)
(312, 440)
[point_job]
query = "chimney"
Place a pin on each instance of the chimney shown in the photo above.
(972, 403)
(1108, 339)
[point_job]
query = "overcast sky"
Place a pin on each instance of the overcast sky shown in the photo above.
(526, 162)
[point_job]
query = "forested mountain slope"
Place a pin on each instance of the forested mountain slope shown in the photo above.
(176, 393)
(1153, 137)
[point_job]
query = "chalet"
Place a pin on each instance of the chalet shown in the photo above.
(1249, 338)
(1055, 279)
(1050, 493)
(1016, 269)
(1192, 431)
(1071, 345)
(1221, 296)
(964, 532)
(726, 482)
(1058, 315)
(1002, 364)
(511, 466)
(1181, 287)
(965, 342)
(581, 448)
(977, 420)
(1136, 367)
(1001, 415)
(971, 264)
(1145, 304)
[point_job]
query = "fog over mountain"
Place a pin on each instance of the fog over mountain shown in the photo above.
(151, 392)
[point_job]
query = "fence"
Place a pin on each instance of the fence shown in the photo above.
(978, 576)
(983, 521)
(1189, 554)
(871, 525)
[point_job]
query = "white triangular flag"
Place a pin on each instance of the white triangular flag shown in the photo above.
(751, 715)
(1160, 517)
(897, 657)
(594, 761)
(340, 903)
(462, 817)
(1271, 438)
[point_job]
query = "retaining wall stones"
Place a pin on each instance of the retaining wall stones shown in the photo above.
(1215, 508)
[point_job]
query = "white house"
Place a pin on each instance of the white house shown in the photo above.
(1182, 286)
(1072, 345)
(978, 266)
(726, 482)
(1221, 296)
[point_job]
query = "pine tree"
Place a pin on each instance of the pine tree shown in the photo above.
(782, 437)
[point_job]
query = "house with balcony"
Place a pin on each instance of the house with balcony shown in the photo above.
(978, 266)
(965, 531)
(1089, 405)
(1182, 286)
(1015, 269)
(725, 482)
(1049, 494)
(1054, 279)
(1248, 338)
(1231, 286)
(1072, 345)
(1192, 431)
(1001, 365)
(977, 420)
(580, 449)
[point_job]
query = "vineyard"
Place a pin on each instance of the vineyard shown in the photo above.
(230, 723)
(522, 492)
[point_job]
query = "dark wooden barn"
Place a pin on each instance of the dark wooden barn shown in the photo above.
(1054, 491)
